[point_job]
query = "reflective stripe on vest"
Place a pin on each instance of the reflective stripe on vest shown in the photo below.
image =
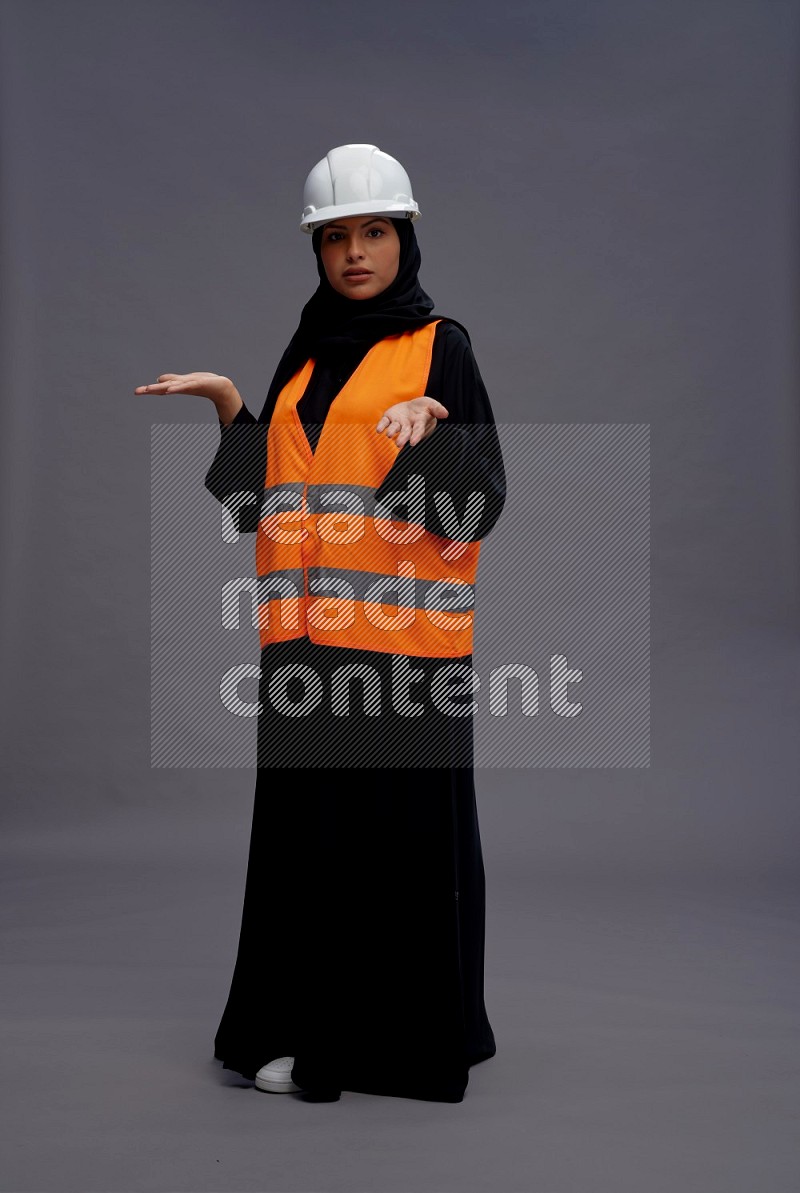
(331, 563)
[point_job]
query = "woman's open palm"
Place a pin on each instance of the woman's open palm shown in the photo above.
(205, 385)
(219, 390)
(411, 422)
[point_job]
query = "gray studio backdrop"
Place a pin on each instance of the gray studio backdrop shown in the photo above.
(608, 199)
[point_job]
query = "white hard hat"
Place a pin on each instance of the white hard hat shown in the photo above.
(356, 180)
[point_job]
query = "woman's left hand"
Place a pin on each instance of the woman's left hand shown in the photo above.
(411, 422)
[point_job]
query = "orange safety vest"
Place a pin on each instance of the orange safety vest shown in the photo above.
(331, 563)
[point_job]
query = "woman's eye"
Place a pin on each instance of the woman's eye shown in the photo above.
(334, 236)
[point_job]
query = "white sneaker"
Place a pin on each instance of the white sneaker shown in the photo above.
(276, 1077)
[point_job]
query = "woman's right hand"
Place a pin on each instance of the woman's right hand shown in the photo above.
(219, 390)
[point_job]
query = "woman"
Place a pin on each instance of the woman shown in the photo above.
(360, 959)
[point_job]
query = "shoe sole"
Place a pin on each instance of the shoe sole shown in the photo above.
(277, 1087)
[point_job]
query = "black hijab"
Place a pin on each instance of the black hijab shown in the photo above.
(337, 331)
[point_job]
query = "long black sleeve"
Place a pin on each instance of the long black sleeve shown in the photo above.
(462, 456)
(236, 475)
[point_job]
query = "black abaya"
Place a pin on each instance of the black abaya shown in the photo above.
(361, 950)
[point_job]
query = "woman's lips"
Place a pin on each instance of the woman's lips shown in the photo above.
(358, 277)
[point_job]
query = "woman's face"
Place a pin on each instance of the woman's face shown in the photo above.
(360, 254)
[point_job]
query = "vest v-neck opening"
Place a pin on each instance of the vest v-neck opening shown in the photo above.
(341, 392)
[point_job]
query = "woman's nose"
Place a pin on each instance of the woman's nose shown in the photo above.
(354, 250)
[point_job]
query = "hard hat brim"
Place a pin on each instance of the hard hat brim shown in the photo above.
(324, 215)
